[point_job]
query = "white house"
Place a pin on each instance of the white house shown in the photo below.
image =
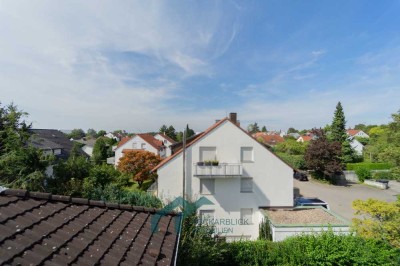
(356, 145)
(140, 142)
(247, 178)
(167, 141)
(357, 133)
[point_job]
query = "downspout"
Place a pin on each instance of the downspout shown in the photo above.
(179, 240)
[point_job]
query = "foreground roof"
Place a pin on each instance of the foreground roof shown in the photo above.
(40, 228)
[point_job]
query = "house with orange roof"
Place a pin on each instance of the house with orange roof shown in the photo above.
(147, 142)
(269, 139)
(235, 174)
(357, 133)
(305, 138)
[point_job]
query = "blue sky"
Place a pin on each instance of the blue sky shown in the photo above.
(136, 65)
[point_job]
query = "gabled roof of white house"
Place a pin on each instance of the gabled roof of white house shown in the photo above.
(204, 134)
(149, 139)
(166, 137)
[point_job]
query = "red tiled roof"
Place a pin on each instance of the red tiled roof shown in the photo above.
(167, 138)
(269, 139)
(123, 141)
(201, 135)
(40, 228)
(352, 132)
(157, 144)
(306, 138)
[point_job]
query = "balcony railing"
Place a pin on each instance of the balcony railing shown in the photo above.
(221, 170)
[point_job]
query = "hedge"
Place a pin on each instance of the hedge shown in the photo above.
(369, 166)
(324, 249)
(295, 161)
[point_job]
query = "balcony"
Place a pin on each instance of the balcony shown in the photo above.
(218, 171)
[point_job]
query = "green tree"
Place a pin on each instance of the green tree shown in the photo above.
(338, 127)
(263, 129)
(76, 133)
(101, 133)
(100, 150)
(253, 128)
(292, 130)
(91, 133)
(378, 220)
(349, 155)
(19, 162)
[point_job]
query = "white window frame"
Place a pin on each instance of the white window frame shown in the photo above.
(244, 189)
(208, 211)
(143, 146)
(246, 149)
(243, 215)
(207, 148)
(202, 180)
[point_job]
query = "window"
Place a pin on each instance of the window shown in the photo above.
(208, 154)
(143, 146)
(207, 216)
(246, 154)
(207, 186)
(134, 145)
(246, 216)
(246, 184)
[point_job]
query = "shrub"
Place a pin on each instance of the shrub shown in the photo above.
(370, 166)
(382, 175)
(363, 173)
(395, 173)
(319, 249)
(295, 161)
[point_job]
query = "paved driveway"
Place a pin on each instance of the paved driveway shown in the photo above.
(341, 197)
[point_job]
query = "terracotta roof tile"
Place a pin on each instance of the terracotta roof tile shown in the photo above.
(167, 138)
(39, 228)
(352, 132)
(157, 144)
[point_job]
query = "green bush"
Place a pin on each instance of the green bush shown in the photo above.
(363, 173)
(382, 175)
(320, 249)
(295, 161)
(395, 173)
(369, 166)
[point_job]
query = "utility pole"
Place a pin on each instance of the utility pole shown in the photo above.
(184, 170)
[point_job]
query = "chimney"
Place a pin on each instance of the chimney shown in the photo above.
(233, 117)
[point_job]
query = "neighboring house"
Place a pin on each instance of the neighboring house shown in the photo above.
(88, 145)
(51, 142)
(44, 229)
(356, 145)
(248, 177)
(112, 136)
(167, 141)
(282, 133)
(269, 139)
(357, 133)
(294, 135)
(140, 142)
(304, 138)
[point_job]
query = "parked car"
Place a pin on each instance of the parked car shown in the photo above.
(300, 176)
(306, 201)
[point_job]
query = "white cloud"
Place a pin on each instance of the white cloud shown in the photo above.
(101, 64)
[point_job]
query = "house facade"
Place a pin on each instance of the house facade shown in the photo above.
(248, 177)
(357, 133)
(140, 142)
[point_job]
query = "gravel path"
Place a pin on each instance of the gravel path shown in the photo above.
(302, 216)
(340, 198)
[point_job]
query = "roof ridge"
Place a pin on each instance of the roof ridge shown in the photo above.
(23, 193)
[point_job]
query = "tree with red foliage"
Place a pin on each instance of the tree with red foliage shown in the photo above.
(323, 156)
(139, 163)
